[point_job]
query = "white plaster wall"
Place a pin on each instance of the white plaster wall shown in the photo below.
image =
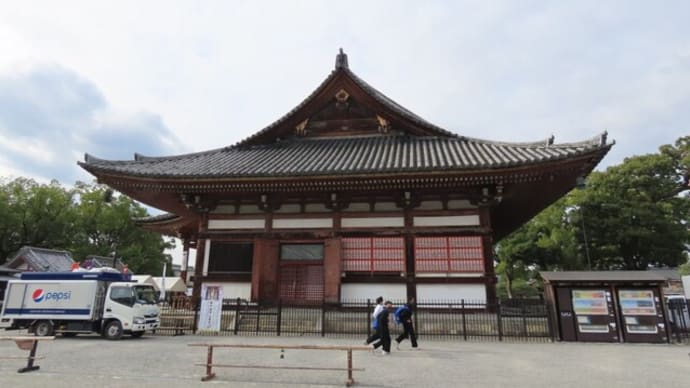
(393, 292)
(369, 222)
(298, 223)
(207, 253)
(446, 220)
(232, 290)
(237, 224)
(456, 292)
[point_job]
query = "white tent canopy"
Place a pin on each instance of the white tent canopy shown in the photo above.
(146, 279)
(172, 284)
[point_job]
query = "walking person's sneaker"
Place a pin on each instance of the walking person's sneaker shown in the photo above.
(397, 345)
(384, 353)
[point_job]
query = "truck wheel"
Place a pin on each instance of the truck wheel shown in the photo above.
(113, 330)
(44, 328)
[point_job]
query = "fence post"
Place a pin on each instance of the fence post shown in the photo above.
(367, 315)
(258, 316)
(323, 318)
(197, 311)
(279, 316)
(237, 317)
(414, 316)
(499, 319)
(464, 322)
(549, 320)
(524, 318)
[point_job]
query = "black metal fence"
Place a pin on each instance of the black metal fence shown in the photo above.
(506, 320)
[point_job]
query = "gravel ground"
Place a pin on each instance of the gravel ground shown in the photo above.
(158, 361)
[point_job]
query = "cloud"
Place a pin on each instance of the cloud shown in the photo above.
(50, 116)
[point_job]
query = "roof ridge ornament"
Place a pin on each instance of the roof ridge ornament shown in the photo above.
(341, 60)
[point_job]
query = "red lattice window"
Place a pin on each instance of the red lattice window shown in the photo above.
(449, 254)
(301, 283)
(373, 254)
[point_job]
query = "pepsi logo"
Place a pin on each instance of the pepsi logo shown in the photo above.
(38, 295)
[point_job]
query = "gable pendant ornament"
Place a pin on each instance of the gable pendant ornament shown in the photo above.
(341, 99)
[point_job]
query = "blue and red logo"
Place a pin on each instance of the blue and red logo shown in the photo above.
(38, 295)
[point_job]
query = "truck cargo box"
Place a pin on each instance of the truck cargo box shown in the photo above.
(53, 299)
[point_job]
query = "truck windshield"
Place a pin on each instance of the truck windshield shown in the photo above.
(145, 294)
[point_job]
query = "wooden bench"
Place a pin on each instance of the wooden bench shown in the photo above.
(30, 344)
(209, 358)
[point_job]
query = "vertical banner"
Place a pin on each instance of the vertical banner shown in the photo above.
(211, 307)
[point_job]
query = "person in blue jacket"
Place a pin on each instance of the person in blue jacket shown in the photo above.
(403, 315)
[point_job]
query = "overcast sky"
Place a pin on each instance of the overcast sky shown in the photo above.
(161, 77)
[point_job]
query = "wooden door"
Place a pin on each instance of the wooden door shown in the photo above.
(301, 273)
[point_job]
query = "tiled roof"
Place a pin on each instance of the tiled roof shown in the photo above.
(387, 102)
(601, 276)
(93, 261)
(42, 260)
(347, 156)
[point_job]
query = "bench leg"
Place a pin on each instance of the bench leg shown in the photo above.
(350, 380)
(209, 365)
(30, 361)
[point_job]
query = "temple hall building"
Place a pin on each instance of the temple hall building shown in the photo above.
(350, 196)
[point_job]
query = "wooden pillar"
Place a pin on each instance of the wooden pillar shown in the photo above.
(487, 242)
(200, 254)
(266, 270)
(411, 280)
(185, 258)
(332, 268)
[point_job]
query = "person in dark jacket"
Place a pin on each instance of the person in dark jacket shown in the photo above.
(403, 315)
(384, 332)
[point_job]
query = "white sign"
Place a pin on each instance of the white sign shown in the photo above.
(211, 307)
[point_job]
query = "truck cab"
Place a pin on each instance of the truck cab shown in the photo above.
(129, 308)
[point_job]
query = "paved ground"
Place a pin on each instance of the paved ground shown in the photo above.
(88, 361)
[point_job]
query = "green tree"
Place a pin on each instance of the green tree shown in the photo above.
(636, 214)
(546, 242)
(632, 216)
(105, 228)
(86, 220)
(34, 214)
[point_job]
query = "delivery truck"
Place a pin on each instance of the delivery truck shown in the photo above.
(70, 303)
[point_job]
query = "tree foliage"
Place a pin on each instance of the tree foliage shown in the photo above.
(85, 220)
(632, 216)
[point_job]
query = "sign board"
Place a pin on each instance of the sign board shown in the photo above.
(211, 307)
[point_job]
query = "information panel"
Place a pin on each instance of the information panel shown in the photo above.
(211, 307)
